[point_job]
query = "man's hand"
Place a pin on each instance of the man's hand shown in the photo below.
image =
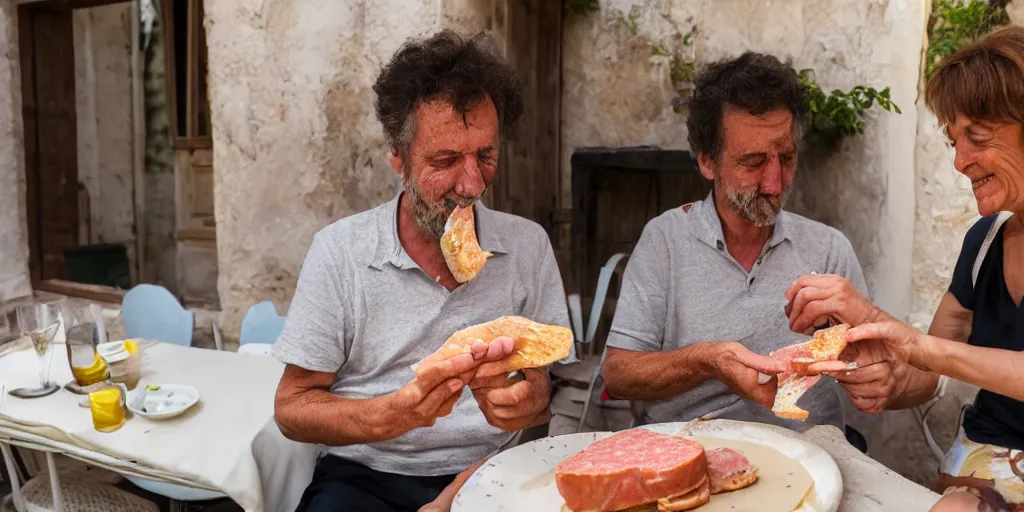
(511, 405)
(814, 299)
(882, 352)
(739, 368)
(436, 388)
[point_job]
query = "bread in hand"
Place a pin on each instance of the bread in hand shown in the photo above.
(826, 345)
(536, 345)
(462, 253)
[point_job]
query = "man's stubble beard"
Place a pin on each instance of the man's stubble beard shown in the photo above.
(754, 207)
(430, 218)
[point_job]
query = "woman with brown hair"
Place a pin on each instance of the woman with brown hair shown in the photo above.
(977, 334)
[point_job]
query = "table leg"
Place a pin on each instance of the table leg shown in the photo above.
(58, 500)
(19, 505)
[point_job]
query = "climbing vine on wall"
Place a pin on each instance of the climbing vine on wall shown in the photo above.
(954, 23)
(839, 114)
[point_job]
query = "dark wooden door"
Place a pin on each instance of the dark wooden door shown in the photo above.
(51, 160)
(528, 179)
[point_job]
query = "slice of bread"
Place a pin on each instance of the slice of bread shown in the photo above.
(462, 253)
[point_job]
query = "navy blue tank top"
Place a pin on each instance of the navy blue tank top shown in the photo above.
(998, 323)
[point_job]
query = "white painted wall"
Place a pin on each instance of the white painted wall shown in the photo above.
(296, 143)
(14, 273)
(103, 101)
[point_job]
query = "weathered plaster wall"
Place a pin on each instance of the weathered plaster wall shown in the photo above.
(14, 274)
(945, 209)
(160, 266)
(296, 144)
(103, 88)
(617, 92)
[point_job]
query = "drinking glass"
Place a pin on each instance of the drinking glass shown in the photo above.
(40, 321)
(85, 330)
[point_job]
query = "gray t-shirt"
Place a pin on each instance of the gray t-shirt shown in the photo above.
(681, 287)
(365, 311)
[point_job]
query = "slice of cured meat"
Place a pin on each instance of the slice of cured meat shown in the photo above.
(689, 501)
(630, 468)
(729, 470)
(826, 345)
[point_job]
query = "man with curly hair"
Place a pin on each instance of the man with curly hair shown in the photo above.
(375, 296)
(703, 296)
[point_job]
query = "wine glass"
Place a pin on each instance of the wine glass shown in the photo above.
(40, 321)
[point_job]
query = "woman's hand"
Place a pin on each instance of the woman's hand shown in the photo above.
(814, 299)
(883, 352)
(901, 342)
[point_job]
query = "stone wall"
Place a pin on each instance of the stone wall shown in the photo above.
(14, 273)
(296, 142)
(103, 92)
(158, 171)
(617, 92)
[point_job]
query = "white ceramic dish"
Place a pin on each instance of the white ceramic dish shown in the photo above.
(112, 351)
(167, 401)
(523, 478)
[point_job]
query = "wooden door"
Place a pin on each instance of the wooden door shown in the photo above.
(51, 160)
(528, 180)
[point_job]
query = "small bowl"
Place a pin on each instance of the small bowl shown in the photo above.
(163, 401)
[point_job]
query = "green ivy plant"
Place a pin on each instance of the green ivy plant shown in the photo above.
(953, 23)
(839, 114)
(581, 7)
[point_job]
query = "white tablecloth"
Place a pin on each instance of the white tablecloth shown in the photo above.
(228, 442)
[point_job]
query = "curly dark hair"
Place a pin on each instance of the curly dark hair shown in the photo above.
(753, 82)
(446, 65)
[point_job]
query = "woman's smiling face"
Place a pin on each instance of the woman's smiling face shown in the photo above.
(991, 155)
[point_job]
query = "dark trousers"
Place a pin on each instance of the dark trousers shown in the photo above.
(342, 485)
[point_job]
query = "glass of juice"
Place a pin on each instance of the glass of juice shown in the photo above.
(84, 330)
(107, 406)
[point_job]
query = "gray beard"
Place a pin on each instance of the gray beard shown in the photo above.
(754, 207)
(431, 218)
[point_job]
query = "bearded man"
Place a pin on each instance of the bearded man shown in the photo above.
(703, 295)
(375, 297)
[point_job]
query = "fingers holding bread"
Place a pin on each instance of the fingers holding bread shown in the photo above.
(529, 345)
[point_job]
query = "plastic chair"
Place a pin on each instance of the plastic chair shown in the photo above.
(261, 324)
(151, 312)
(260, 329)
(603, 281)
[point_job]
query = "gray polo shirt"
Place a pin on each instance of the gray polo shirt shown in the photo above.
(365, 311)
(681, 287)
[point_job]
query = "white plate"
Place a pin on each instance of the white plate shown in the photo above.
(522, 478)
(111, 349)
(168, 401)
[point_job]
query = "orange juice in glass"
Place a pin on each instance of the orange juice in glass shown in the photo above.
(85, 329)
(107, 409)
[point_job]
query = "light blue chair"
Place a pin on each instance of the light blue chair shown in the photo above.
(260, 329)
(151, 312)
(261, 324)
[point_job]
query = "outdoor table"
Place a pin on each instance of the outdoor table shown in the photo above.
(218, 445)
